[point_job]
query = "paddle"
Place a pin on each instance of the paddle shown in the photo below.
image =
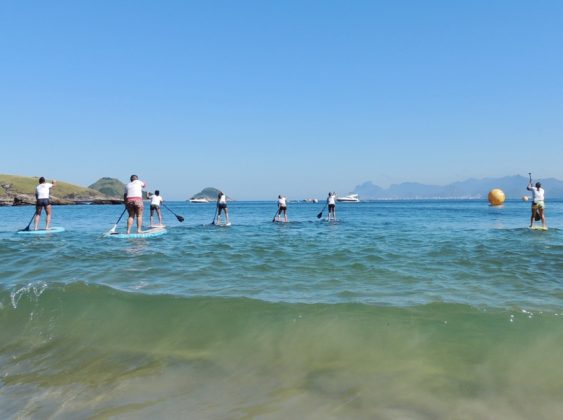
(180, 218)
(321, 213)
(274, 219)
(112, 230)
(29, 224)
(215, 215)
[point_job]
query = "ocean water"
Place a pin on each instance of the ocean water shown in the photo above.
(400, 310)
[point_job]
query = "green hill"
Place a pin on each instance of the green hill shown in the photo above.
(20, 190)
(109, 186)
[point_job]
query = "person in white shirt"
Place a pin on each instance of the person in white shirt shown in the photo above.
(538, 205)
(222, 207)
(331, 201)
(282, 208)
(42, 195)
(133, 198)
(156, 200)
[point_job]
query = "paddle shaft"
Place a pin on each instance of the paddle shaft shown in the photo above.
(118, 220)
(29, 224)
(180, 218)
(321, 213)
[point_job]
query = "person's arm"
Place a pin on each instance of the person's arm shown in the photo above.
(529, 187)
(54, 182)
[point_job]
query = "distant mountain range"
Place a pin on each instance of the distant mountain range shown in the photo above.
(513, 187)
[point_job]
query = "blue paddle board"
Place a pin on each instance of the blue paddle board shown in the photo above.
(145, 234)
(57, 229)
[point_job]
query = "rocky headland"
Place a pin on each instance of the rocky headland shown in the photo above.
(20, 191)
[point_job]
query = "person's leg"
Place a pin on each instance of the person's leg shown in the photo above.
(227, 216)
(533, 216)
(542, 215)
(150, 215)
(139, 218)
(159, 212)
(131, 215)
(37, 216)
(285, 215)
(219, 210)
(48, 211)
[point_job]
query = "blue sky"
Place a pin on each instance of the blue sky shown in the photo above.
(293, 97)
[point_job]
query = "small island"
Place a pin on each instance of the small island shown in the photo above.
(206, 195)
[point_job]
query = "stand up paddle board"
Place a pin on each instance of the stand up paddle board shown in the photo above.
(57, 229)
(149, 233)
(222, 224)
(537, 228)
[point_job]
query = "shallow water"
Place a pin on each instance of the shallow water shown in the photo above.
(418, 309)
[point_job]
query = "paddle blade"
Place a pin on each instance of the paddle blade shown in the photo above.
(180, 218)
(320, 215)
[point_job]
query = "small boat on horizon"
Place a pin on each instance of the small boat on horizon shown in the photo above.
(351, 198)
(201, 200)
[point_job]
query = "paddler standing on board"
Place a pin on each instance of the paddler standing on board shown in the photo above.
(222, 207)
(42, 196)
(134, 202)
(331, 202)
(537, 203)
(282, 208)
(156, 201)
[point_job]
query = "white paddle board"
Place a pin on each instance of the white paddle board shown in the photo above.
(57, 229)
(149, 233)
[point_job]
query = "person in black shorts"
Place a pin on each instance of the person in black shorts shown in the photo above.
(42, 195)
(331, 201)
(222, 207)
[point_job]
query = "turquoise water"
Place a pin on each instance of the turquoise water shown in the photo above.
(411, 309)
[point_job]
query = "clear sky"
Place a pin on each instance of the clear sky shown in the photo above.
(295, 97)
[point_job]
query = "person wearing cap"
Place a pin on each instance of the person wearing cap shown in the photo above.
(134, 202)
(538, 205)
(42, 196)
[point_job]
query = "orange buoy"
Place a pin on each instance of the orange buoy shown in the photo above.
(496, 197)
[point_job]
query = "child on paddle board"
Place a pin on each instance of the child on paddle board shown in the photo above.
(42, 196)
(331, 201)
(282, 208)
(538, 205)
(222, 207)
(156, 201)
(133, 198)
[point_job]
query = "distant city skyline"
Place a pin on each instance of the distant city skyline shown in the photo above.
(297, 98)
